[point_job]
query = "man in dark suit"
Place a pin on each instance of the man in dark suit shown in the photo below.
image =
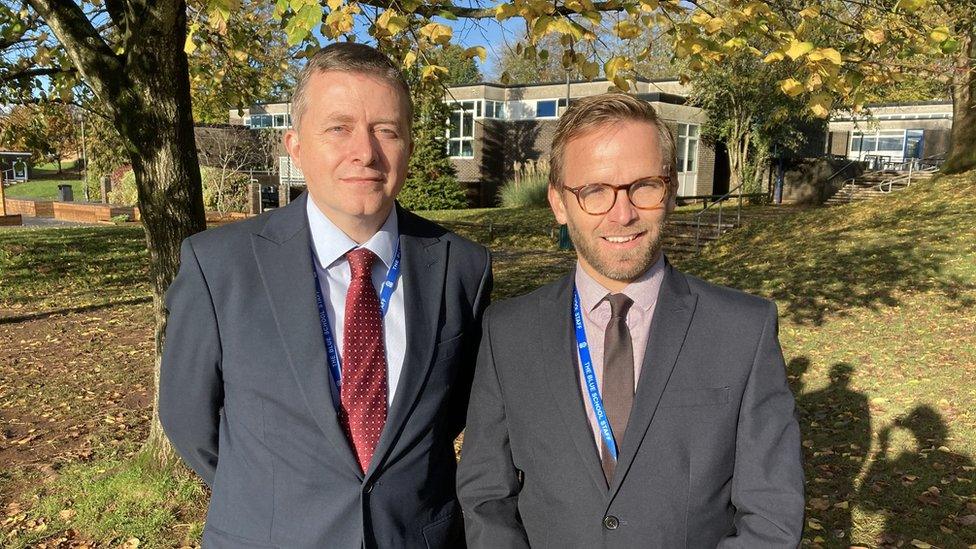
(627, 404)
(318, 358)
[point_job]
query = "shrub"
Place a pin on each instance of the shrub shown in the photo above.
(221, 194)
(529, 187)
(432, 182)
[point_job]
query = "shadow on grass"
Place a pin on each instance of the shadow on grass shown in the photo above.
(72, 266)
(836, 427)
(863, 255)
(913, 486)
(918, 480)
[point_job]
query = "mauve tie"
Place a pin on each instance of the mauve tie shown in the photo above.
(618, 376)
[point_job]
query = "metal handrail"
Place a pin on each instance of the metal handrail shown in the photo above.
(719, 201)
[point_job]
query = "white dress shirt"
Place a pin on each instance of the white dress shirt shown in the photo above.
(330, 246)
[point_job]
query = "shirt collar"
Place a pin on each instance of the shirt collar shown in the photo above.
(642, 291)
(330, 244)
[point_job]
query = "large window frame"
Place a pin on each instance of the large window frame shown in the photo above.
(460, 128)
(687, 142)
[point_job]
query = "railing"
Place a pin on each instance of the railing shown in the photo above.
(720, 201)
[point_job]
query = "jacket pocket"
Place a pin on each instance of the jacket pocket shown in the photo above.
(445, 533)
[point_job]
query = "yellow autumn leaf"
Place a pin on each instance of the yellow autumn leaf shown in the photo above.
(189, 46)
(627, 29)
(714, 25)
(829, 54)
(791, 87)
(774, 56)
(334, 4)
(811, 12)
(939, 34)
(437, 33)
(735, 43)
(910, 5)
(621, 83)
(409, 59)
(814, 82)
(476, 51)
(541, 26)
(431, 71)
(649, 5)
(504, 11)
(875, 36)
(615, 64)
(590, 70)
(820, 105)
(798, 49)
(700, 18)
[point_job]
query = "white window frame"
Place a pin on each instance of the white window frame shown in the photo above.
(689, 142)
(463, 108)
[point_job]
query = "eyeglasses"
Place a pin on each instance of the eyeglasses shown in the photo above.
(644, 194)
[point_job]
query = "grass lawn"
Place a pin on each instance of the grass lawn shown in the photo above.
(45, 189)
(877, 316)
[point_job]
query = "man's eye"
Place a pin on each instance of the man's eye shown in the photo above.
(386, 132)
(335, 129)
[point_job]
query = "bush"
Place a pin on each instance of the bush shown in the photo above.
(227, 194)
(432, 182)
(529, 187)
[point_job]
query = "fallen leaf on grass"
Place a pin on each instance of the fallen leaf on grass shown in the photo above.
(819, 504)
(967, 520)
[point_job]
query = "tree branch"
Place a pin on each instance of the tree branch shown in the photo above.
(31, 73)
(88, 51)
(487, 13)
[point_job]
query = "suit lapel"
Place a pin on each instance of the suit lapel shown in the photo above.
(562, 375)
(283, 254)
(423, 268)
(669, 326)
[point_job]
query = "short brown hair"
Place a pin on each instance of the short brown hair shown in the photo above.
(600, 110)
(348, 57)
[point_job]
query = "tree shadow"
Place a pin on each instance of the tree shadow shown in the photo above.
(836, 426)
(867, 255)
(920, 486)
(66, 263)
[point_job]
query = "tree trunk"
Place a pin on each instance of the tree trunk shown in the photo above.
(146, 91)
(962, 141)
(166, 168)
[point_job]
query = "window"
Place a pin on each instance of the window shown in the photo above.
(460, 134)
(886, 143)
(545, 108)
(687, 147)
(494, 109)
(261, 121)
(282, 121)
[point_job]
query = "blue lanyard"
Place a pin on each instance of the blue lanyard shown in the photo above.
(586, 364)
(386, 293)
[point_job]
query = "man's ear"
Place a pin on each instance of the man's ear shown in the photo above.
(293, 146)
(557, 205)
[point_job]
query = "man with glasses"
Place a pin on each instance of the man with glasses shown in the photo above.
(628, 404)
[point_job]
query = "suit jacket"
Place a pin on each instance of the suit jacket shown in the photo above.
(245, 390)
(711, 456)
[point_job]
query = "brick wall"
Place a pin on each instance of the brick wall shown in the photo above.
(30, 208)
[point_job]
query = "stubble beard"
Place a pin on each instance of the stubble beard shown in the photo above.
(624, 267)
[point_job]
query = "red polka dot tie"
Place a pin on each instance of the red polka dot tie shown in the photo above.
(363, 393)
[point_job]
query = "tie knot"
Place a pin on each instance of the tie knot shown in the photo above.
(619, 305)
(361, 262)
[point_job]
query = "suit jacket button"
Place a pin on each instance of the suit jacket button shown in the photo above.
(610, 522)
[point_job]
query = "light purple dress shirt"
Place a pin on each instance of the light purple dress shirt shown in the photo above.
(596, 316)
